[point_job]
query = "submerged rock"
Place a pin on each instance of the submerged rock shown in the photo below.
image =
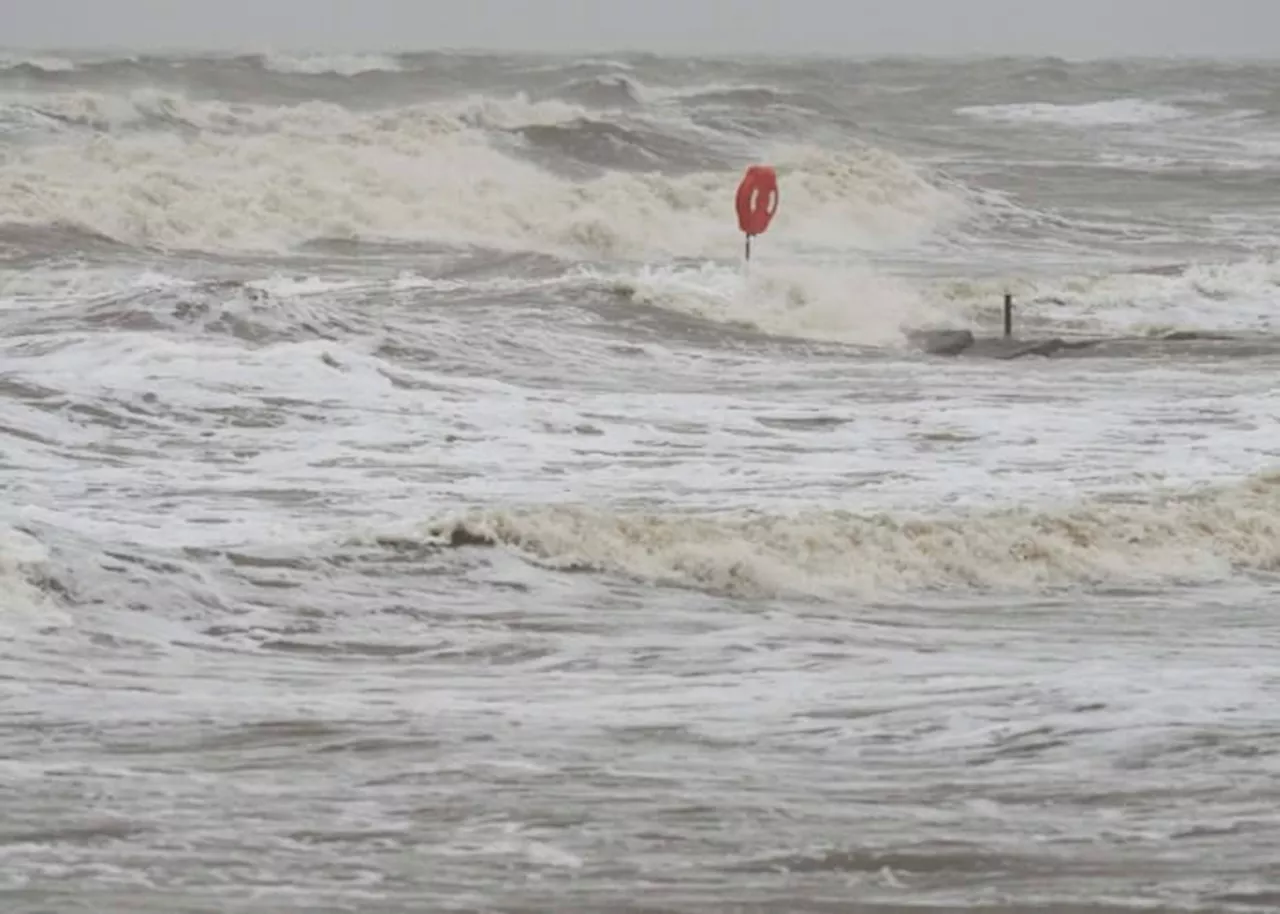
(941, 342)
(963, 342)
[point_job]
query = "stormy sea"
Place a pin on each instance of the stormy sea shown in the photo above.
(414, 499)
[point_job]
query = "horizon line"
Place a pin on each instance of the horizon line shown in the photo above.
(165, 49)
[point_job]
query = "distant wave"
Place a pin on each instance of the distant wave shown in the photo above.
(155, 168)
(336, 64)
(34, 64)
(1119, 112)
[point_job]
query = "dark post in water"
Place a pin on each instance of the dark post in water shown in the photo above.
(1008, 315)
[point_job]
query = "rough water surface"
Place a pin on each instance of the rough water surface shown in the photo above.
(412, 502)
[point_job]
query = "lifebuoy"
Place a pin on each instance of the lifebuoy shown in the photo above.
(757, 199)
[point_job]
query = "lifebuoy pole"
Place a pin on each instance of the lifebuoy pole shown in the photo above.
(756, 201)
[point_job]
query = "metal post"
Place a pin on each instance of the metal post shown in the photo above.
(1008, 315)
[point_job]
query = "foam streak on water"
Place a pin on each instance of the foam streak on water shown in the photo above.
(413, 502)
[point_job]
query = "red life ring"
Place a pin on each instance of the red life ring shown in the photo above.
(757, 199)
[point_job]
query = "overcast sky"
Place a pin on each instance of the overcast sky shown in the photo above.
(1072, 28)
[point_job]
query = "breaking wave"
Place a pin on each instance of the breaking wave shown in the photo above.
(1235, 297)
(822, 302)
(1124, 112)
(1196, 537)
(158, 170)
(25, 582)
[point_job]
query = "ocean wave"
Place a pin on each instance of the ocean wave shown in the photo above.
(605, 90)
(751, 97)
(317, 64)
(1228, 297)
(1157, 539)
(34, 64)
(611, 146)
(255, 178)
(273, 309)
(824, 302)
(27, 584)
(1124, 112)
(633, 158)
(157, 108)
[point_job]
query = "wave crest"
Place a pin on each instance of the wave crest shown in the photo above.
(1187, 538)
(251, 178)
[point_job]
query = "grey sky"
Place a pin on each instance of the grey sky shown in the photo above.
(1073, 28)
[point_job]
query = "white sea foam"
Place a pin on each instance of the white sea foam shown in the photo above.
(818, 301)
(338, 64)
(1162, 540)
(859, 303)
(314, 119)
(598, 452)
(1224, 297)
(1113, 113)
(43, 285)
(24, 562)
(268, 178)
(50, 64)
